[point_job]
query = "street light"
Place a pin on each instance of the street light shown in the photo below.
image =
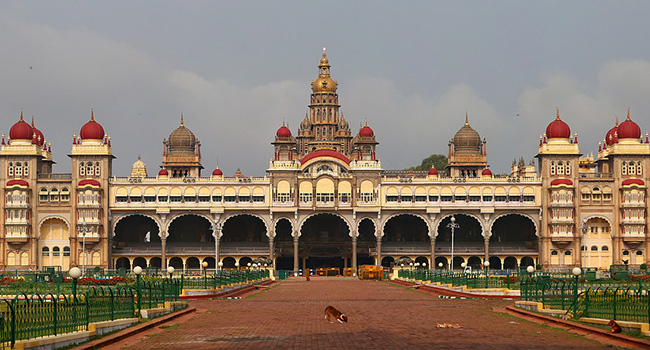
(453, 226)
(237, 265)
(440, 264)
(584, 229)
(83, 229)
(576, 273)
(137, 271)
(205, 274)
(530, 269)
(170, 271)
(74, 273)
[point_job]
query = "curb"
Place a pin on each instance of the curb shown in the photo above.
(452, 293)
(614, 336)
(227, 293)
(128, 332)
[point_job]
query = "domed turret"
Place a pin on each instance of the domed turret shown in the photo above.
(612, 135)
(139, 168)
(343, 124)
(305, 124)
(21, 130)
(433, 172)
(182, 139)
(163, 172)
(629, 129)
(217, 172)
(486, 172)
(283, 131)
(558, 129)
(366, 131)
(92, 130)
(38, 138)
(467, 140)
(324, 83)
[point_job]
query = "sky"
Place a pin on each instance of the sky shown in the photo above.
(237, 69)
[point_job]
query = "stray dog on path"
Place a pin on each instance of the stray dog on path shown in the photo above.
(332, 312)
(615, 327)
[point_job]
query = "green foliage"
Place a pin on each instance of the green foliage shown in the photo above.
(438, 161)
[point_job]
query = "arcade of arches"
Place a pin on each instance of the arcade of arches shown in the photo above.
(324, 241)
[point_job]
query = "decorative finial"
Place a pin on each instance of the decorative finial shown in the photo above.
(33, 121)
(557, 115)
(617, 120)
(92, 115)
(324, 51)
(466, 119)
(139, 157)
(628, 113)
(183, 125)
(21, 114)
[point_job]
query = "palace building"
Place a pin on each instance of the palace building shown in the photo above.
(325, 201)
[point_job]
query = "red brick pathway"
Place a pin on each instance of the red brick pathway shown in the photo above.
(289, 315)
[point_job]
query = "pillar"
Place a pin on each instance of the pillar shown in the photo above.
(295, 256)
(486, 242)
(432, 262)
(379, 250)
(354, 254)
(163, 257)
(272, 252)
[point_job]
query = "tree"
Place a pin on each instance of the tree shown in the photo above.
(438, 161)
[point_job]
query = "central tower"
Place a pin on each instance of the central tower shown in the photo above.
(323, 126)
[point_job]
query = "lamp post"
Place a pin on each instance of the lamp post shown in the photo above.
(170, 271)
(487, 268)
(216, 228)
(83, 229)
(576, 273)
(584, 228)
(453, 226)
(74, 273)
(137, 271)
(205, 274)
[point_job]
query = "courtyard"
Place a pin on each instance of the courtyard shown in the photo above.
(289, 315)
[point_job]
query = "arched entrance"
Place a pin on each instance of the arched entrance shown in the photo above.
(366, 241)
(283, 245)
(467, 237)
(405, 231)
(598, 242)
(325, 242)
(387, 261)
(140, 261)
(123, 263)
(54, 238)
(131, 235)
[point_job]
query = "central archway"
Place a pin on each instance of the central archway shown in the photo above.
(325, 242)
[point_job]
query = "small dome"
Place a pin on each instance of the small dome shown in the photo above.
(217, 172)
(92, 130)
(629, 129)
(238, 174)
(283, 131)
(433, 171)
(562, 182)
(182, 139)
(324, 83)
(305, 124)
(612, 135)
(558, 129)
(163, 172)
(38, 138)
(486, 172)
(366, 131)
(343, 124)
(467, 140)
(21, 130)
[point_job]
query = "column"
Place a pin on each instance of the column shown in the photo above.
(354, 255)
(272, 252)
(217, 255)
(163, 244)
(486, 242)
(432, 263)
(295, 256)
(33, 257)
(379, 251)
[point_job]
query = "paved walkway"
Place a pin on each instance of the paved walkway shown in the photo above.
(289, 315)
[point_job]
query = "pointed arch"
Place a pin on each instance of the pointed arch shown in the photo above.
(119, 218)
(302, 222)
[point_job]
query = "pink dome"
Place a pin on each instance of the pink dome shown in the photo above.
(366, 132)
(432, 171)
(163, 172)
(486, 172)
(217, 172)
(612, 136)
(283, 132)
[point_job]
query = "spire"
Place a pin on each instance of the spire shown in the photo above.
(183, 125)
(617, 120)
(466, 119)
(92, 115)
(21, 115)
(33, 122)
(557, 116)
(324, 52)
(628, 114)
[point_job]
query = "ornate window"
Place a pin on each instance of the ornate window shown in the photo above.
(624, 168)
(97, 169)
(568, 168)
(10, 169)
(639, 169)
(82, 169)
(89, 169)
(26, 169)
(631, 169)
(552, 168)
(19, 170)
(46, 251)
(560, 168)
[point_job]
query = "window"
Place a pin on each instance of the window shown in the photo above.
(433, 198)
(82, 169)
(89, 169)
(149, 199)
(66, 251)
(514, 198)
(529, 198)
(406, 198)
(42, 194)
(420, 198)
(258, 199)
(552, 168)
(344, 197)
(568, 168)
(324, 197)
(189, 199)
(560, 168)
(10, 170)
(499, 198)
(554, 253)
(306, 197)
(487, 198)
(175, 199)
(46, 252)
(639, 172)
(445, 198)
(19, 170)
(631, 169)
(391, 198)
(121, 199)
(604, 248)
(97, 169)
(626, 253)
(216, 199)
(367, 197)
(26, 169)
(567, 253)
(54, 194)
(163, 199)
(135, 199)
(230, 199)
(624, 169)
(56, 251)
(204, 199)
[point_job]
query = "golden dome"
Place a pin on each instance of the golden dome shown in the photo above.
(467, 140)
(324, 83)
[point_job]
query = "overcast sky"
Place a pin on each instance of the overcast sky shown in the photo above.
(236, 69)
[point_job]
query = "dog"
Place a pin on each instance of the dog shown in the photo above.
(447, 325)
(615, 327)
(332, 312)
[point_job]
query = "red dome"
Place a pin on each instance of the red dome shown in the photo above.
(92, 130)
(486, 172)
(612, 136)
(21, 130)
(217, 172)
(283, 132)
(163, 172)
(325, 153)
(629, 129)
(561, 182)
(18, 182)
(558, 129)
(38, 138)
(366, 131)
(89, 182)
(432, 171)
(633, 182)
